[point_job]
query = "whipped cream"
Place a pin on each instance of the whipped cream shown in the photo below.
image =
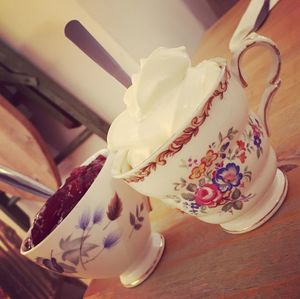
(162, 98)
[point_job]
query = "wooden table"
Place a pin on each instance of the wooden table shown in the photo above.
(202, 261)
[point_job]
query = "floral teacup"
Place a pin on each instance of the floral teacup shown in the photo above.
(107, 234)
(220, 167)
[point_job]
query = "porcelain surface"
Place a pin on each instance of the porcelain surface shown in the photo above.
(221, 164)
(107, 234)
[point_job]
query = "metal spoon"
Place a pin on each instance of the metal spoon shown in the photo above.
(24, 183)
(82, 38)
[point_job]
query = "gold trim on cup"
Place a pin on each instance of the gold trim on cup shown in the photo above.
(267, 216)
(151, 268)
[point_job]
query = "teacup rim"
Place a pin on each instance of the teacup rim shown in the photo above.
(131, 174)
(103, 152)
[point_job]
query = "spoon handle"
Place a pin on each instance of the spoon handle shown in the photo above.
(79, 35)
(24, 183)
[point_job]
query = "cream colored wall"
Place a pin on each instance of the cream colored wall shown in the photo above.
(128, 29)
(35, 28)
(140, 26)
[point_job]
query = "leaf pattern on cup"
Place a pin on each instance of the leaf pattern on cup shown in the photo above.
(136, 220)
(114, 209)
(74, 249)
(55, 266)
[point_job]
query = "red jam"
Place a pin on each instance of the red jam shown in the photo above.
(60, 204)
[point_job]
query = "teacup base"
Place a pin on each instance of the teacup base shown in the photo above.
(146, 266)
(263, 211)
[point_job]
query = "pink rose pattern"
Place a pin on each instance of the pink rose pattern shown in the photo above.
(220, 177)
(208, 195)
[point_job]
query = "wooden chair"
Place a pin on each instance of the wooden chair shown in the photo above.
(24, 150)
(20, 278)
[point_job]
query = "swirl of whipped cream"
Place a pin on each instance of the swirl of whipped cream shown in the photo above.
(162, 98)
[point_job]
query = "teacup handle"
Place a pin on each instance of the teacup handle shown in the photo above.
(273, 84)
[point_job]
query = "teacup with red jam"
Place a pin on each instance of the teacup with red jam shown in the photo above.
(95, 226)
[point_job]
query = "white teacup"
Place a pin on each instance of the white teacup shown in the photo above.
(220, 167)
(107, 234)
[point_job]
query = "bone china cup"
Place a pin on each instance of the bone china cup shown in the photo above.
(107, 234)
(220, 167)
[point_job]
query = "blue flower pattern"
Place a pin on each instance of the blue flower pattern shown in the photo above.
(111, 240)
(229, 173)
(84, 220)
(98, 216)
(228, 177)
(257, 141)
